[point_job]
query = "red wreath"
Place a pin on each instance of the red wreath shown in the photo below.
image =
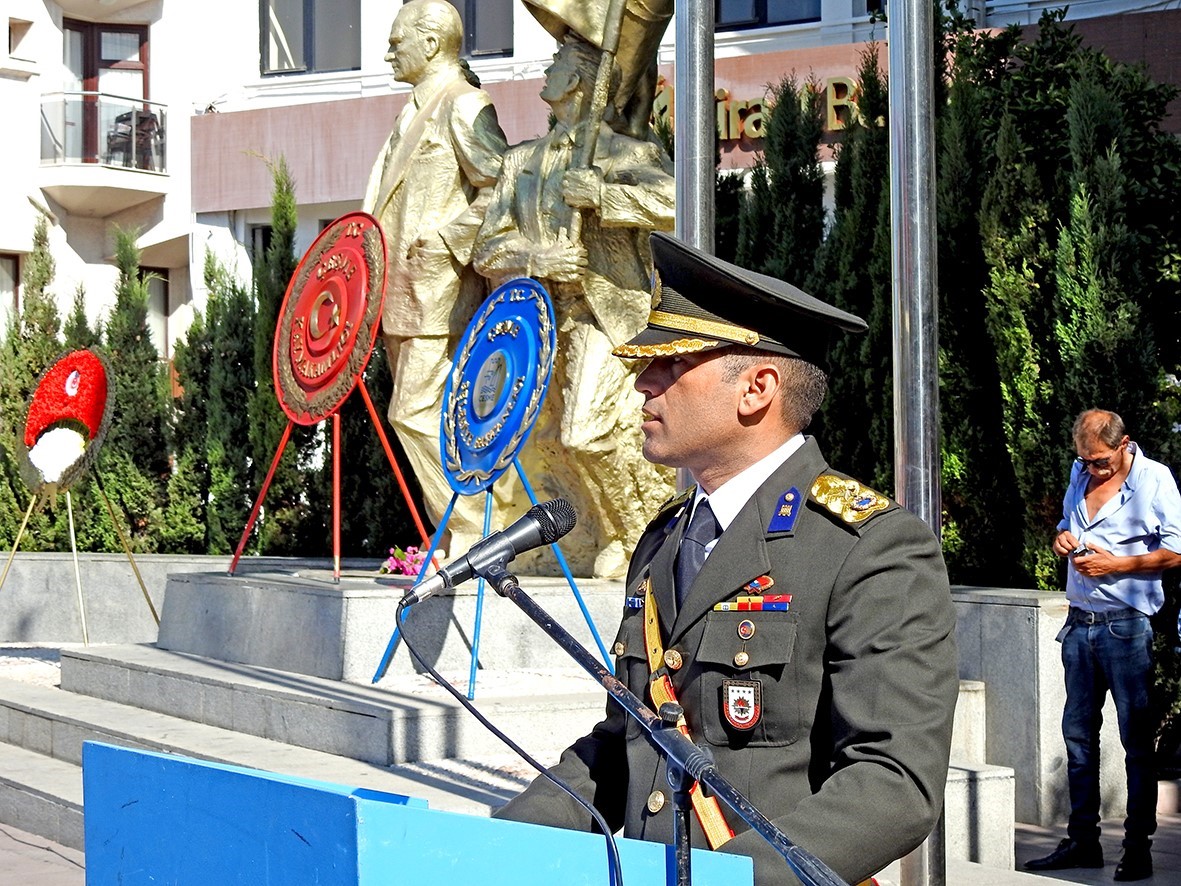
(75, 392)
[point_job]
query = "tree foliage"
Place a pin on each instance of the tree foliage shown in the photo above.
(278, 530)
(856, 422)
(781, 222)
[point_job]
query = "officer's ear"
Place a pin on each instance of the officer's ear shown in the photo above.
(761, 381)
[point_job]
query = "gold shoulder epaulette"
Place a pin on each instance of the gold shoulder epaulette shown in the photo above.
(847, 498)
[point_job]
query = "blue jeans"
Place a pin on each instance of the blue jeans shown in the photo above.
(1113, 656)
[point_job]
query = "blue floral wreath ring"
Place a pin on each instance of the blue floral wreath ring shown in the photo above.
(497, 383)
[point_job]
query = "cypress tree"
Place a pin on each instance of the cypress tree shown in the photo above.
(849, 276)
(980, 537)
(781, 223)
(31, 343)
(231, 383)
(139, 425)
(135, 460)
(79, 333)
(185, 518)
(278, 528)
(1014, 225)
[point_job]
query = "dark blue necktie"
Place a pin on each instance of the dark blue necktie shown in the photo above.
(703, 528)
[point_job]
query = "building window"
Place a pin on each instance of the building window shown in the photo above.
(9, 291)
(158, 308)
(106, 90)
(487, 27)
(260, 241)
(733, 14)
(310, 36)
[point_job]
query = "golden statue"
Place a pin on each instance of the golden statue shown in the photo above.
(425, 189)
(583, 233)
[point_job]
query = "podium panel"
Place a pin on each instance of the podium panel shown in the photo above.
(158, 818)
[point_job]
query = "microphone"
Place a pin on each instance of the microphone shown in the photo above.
(542, 524)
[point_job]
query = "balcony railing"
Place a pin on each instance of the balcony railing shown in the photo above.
(92, 127)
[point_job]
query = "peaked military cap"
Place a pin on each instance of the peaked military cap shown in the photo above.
(700, 302)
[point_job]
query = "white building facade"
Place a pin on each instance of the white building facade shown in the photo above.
(160, 116)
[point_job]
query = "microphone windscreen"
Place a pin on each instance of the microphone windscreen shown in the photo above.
(555, 518)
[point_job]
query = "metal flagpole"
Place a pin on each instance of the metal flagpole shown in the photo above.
(694, 131)
(915, 299)
(693, 122)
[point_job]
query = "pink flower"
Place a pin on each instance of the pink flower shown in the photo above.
(407, 562)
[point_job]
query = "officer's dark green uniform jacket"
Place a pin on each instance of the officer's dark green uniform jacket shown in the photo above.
(858, 682)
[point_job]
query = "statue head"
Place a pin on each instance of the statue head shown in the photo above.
(426, 35)
(570, 77)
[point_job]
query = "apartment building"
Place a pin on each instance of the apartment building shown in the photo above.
(161, 116)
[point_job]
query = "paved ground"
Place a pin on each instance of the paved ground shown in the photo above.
(31, 860)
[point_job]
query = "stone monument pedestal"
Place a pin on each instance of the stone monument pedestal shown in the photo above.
(306, 623)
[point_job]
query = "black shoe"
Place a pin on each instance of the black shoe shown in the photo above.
(1070, 854)
(1135, 865)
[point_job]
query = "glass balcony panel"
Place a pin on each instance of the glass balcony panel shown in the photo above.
(92, 127)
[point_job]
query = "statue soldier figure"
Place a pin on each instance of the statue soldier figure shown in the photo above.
(586, 445)
(425, 189)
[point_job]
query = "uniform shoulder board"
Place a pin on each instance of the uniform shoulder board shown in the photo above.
(849, 499)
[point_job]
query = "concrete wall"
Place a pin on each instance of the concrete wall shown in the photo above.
(1006, 639)
(39, 599)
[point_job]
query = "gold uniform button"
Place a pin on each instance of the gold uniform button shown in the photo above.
(619, 648)
(655, 801)
(741, 659)
(672, 659)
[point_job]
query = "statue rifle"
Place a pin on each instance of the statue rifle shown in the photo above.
(584, 147)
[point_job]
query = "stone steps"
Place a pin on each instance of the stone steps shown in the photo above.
(42, 730)
(407, 719)
(41, 795)
(272, 673)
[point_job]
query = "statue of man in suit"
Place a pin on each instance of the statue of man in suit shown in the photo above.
(586, 445)
(426, 190)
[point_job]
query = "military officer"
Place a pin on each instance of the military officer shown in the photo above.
(802, 620)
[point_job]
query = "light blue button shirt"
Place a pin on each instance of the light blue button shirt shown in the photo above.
(1143, 516)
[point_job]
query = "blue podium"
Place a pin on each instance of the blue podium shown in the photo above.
(158, 818)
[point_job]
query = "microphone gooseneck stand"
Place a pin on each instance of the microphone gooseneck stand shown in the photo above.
(686, 763)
